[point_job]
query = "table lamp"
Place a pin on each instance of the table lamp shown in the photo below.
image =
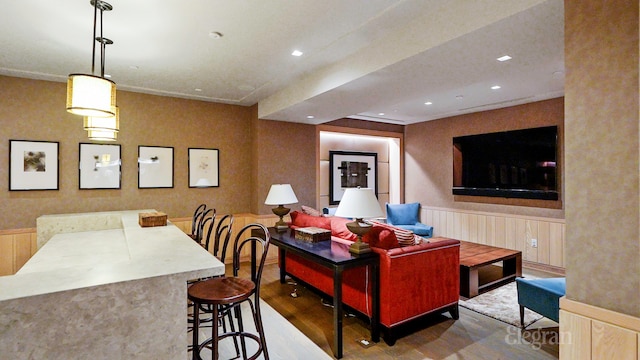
(281, 194)
(359, 203)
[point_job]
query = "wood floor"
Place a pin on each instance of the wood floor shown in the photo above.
(473, 336)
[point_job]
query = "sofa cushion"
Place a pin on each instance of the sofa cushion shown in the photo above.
(339, 228)
(310, 211)
(303, 220)
(381, 237)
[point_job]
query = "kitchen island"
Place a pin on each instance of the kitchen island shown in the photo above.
(102, 287)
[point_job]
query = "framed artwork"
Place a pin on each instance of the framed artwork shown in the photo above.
(349, 169)
(204, 168)
(155, 167)
(33, 165)
(100, 166)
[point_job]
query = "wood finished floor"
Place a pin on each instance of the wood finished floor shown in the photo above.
(473, 336)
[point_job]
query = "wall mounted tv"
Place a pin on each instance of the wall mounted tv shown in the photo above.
(509, 164)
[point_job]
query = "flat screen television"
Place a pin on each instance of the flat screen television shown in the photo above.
(510, 164)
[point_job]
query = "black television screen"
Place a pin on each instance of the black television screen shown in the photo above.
(511, 164)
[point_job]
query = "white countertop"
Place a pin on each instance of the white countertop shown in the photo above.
(90, 258)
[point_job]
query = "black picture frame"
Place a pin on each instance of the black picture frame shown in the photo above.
(204, 167)
(34, 165)
(361, 164)
(155, 167)
(100, 166)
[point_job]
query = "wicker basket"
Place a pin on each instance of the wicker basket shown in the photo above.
(152, 219)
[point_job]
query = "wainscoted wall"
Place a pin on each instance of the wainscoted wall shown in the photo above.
(590, 332)
(17, 246)
(503, 230)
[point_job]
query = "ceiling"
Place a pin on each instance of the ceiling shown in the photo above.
(377, 60)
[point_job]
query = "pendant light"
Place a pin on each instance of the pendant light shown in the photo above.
(92, 95)
(103, 128)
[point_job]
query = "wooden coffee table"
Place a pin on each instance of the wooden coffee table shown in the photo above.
(479, 269)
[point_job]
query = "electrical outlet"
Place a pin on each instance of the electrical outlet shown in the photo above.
(534, 243)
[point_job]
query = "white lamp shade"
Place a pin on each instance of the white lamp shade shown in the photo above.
(102, 135)
(90, 95)
(359, 203)
(111, 123)
(281, 194)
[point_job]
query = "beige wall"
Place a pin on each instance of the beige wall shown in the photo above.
(35, 110)
(284, 153)
(429, 158)
(602, 172)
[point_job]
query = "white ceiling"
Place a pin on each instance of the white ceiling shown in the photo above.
(361, 57)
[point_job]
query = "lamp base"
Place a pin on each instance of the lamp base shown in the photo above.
(359, 228)
(359, 247)
(281, 211)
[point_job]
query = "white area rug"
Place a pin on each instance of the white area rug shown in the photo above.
(501, 304)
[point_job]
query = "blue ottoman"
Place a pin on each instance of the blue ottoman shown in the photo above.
(541, 296)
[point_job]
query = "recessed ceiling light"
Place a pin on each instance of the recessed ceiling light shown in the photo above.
(381, 114)
(197, 89)
(495, 87)
(428, 103)
(296, 53)
(310, 117)
(459, 97)
(504, 58)
(215, 35)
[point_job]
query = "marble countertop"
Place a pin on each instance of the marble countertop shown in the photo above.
(84, 259)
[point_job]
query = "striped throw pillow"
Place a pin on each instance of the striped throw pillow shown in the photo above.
(405, 237)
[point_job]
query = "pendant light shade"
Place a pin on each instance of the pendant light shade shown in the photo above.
(88, 94)
(102, 135)
(91, 95)
(111, 123)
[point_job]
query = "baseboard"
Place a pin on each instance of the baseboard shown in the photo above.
(556, 270)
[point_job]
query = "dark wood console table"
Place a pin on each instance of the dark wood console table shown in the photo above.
(336, 257)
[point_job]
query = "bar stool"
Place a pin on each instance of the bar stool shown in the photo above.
(226, 294)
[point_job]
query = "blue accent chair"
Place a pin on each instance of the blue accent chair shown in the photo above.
(331, 211)
(406, 216)
(541, 296)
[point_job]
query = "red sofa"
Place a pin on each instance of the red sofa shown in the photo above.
(415, 280)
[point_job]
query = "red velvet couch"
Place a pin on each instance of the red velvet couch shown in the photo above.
(415, 280)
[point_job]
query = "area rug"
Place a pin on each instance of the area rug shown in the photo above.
(501, 304)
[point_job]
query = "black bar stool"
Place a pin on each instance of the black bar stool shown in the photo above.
(225, 294)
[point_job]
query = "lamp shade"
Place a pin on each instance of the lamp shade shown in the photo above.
(359, 203)
(110, 123)
(281, 194)
(90, 95)
(103, 135)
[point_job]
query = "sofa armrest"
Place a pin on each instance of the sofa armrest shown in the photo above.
(419, 279)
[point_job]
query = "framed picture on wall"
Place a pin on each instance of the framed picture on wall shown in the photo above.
(155, 167)
(204, 168)
(349, 169)
(100, 166)
(33, 165)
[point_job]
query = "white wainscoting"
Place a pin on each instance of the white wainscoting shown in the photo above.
(502, 230)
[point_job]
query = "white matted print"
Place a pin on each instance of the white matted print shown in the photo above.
(100, 166)
(155, 167)
(204, 167)
(33, 165)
